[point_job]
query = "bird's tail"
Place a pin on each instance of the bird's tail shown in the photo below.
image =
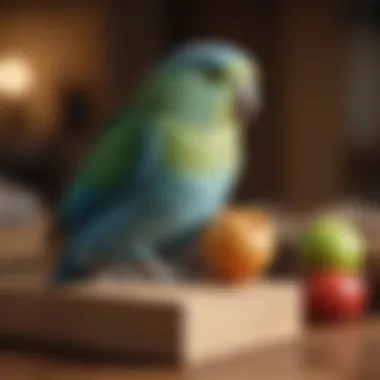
(62, 272)
(67, 269)
(61, 255)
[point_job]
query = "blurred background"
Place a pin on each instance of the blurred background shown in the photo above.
(66, 66)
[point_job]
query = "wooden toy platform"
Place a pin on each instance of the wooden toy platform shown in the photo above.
(187, 325)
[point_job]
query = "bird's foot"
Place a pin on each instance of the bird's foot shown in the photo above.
(154, 271)
(121, 273)
(144, 271)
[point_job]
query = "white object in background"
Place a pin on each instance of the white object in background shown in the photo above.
(18, 205)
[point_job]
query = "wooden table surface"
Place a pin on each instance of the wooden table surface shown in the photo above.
(336, 353)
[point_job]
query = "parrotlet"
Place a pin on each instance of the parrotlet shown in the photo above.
(164, 167)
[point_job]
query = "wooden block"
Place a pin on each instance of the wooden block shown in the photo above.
(188, 324)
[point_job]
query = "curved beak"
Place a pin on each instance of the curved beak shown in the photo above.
(247, 102)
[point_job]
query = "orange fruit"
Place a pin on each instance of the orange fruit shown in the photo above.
(239, 244)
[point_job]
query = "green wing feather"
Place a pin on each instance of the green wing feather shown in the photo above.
(112, 155)
(104, 171)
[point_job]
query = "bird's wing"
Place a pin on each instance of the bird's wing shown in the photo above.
(118, 170)
(119, 164)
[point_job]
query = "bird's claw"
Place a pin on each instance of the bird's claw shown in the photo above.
(145, 271)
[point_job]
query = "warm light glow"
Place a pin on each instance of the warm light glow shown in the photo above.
(16, 77)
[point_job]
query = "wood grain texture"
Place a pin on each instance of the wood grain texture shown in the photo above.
(335, 353)
(309, 110)
(184, 324)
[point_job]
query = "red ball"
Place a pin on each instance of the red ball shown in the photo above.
(335, 296)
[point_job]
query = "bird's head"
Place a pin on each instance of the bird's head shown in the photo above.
(208, 83)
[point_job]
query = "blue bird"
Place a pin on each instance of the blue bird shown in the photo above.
(164, 167)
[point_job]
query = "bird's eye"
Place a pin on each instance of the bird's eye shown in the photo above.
(214, 74)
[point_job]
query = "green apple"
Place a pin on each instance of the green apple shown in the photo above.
(332, 243)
